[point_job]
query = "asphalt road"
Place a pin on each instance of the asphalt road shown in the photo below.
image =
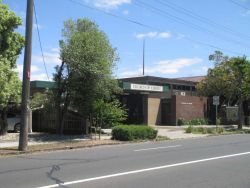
(222, 161)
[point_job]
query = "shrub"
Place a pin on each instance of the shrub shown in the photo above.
(181, 121)
(133, 132)
(210, 130)
(197, 122)
(202, 130)
(108, 114)
(189, 129)
(199, 130)
(218, 121)
(220, 130)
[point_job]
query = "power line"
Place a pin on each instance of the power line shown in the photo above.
(202, 19)
(239, 5)
(112, 15)
(150, 27)
(40, 43)
(190, 24)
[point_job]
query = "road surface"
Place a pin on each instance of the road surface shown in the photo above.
(222, 161)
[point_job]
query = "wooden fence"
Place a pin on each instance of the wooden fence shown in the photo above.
(45, 121)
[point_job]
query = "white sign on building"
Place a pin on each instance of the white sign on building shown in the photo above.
(143, 87)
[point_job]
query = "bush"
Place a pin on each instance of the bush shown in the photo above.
(181, 121)
(189, 129)
(204, 130)
(211, 131)
(133, 132)
(220, 130)
(218, 121)
(199, 130)
(197, 122)
(108, 114)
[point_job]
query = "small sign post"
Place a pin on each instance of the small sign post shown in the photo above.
(216, 102)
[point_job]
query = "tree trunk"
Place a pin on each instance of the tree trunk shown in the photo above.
(59, 99)
(63, 114)
(240, 114)
(58, 118)
(3, 122)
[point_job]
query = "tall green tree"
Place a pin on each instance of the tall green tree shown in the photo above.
(11, 44)
(230, 79)
(85, 75)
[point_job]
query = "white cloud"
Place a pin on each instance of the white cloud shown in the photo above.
(164, 35)
(49, 57)
(108, 4)
(153, 34)
(35, 75)
(125, 12)
(34, 27)
(55, 50)
(199, 71)
(166, 67)
(33, 68)
(180, 36)
(131, 73)
(172, 66)
(41, 76)
(37, 25)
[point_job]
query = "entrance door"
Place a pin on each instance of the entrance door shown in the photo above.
(134, 104)
(166, 112)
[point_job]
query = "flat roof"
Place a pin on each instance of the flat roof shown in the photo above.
(43, 84)
(159, 80)
(192, 78)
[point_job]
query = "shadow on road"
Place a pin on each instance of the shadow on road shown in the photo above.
(55, 168)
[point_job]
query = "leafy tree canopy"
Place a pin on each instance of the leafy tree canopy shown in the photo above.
(11, 44)
(90, 60)
(85, 78)
(229, 79)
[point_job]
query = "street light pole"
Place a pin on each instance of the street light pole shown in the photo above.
(143, 58)
(23, 139)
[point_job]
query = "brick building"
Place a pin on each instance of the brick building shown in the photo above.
(154, 100)
(162, 101)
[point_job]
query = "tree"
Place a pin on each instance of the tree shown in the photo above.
(11, 44)
(85, 75)
(218, 57)
(41, 100)
(229, 79)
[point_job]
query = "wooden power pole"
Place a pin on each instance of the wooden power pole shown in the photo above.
(23, 139)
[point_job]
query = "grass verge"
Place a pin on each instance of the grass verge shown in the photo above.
(214, 130)
(66, 145)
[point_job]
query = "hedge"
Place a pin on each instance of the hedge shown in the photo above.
(197, 121)
(133, 132)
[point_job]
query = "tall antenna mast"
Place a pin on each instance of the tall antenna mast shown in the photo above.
(143, 58)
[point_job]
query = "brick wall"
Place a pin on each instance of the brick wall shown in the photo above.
(189, 107)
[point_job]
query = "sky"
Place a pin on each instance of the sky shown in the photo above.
(179, 35)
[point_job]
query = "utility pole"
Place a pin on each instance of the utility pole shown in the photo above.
(23, 139)
(143, 58)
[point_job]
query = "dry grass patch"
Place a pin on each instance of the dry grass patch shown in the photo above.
(57, 146)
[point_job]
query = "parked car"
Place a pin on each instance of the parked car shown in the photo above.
(14, 122)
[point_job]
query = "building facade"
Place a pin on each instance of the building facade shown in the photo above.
(161, 101)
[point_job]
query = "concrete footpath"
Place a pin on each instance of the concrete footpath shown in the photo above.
(176, 132)
(11, 139)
